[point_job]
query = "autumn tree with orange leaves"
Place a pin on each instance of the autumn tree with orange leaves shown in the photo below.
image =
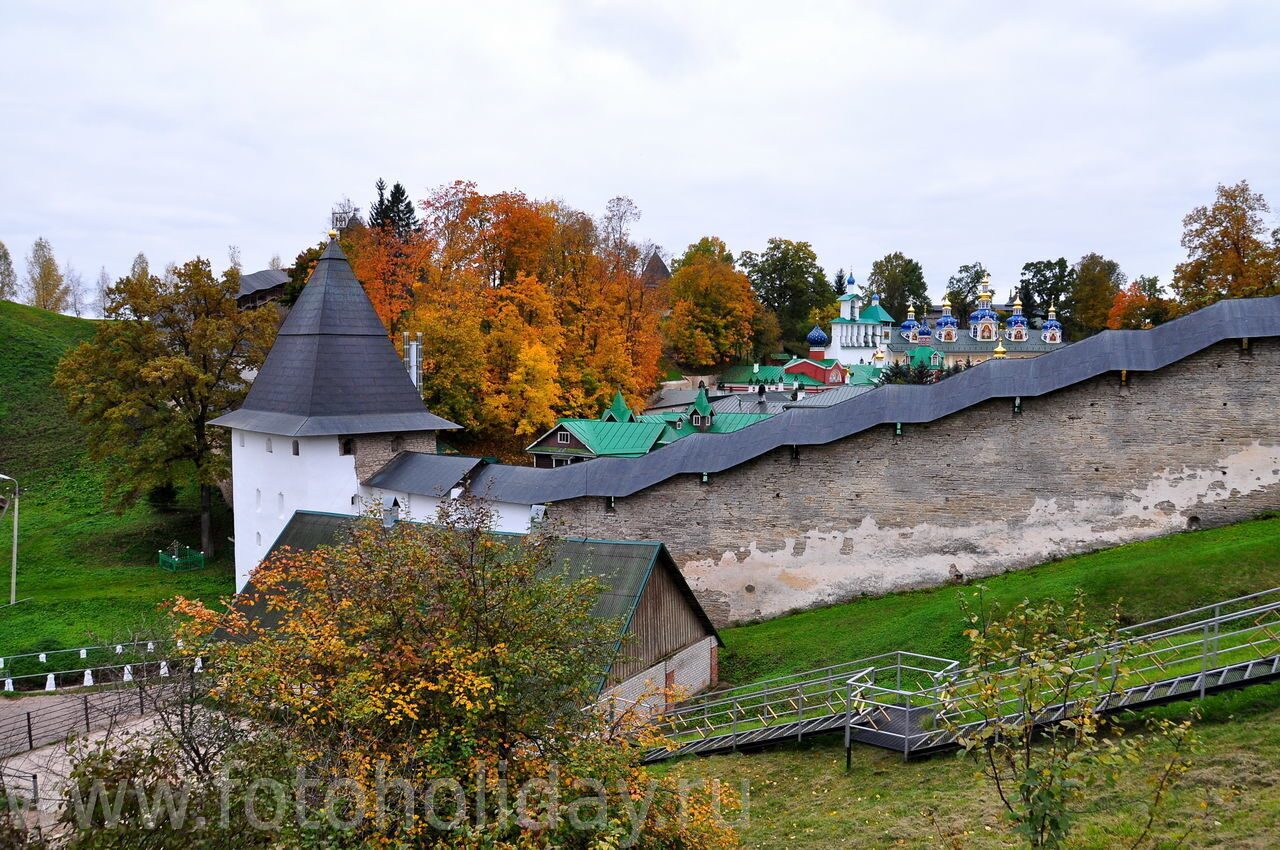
(419, 657)
(715, 317)
(1140, 305)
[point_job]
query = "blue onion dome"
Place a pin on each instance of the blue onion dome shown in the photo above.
(925, 333)
(817, 338)
(946, 320)
(910, 324)
(983, 313)
(1052, 322)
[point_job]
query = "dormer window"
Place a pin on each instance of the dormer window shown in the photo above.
(563, 438)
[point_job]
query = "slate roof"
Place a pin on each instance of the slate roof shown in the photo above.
(750, 402)
(1109, 351)
(666, 398)
(830, 397)
(258, 281)
(332, 369)
(426, 474)
(622, 567)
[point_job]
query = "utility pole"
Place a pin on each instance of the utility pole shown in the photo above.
(13, 568)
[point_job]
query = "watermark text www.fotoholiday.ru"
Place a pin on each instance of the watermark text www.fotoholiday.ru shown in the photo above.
(392, 803)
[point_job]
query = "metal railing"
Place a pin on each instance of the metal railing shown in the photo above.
(791, 701)
(913, 702)
(21, 789)
(1176, 657)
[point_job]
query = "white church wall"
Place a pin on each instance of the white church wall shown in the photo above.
(268, 486)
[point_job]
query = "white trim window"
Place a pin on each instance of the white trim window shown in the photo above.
(563, 438)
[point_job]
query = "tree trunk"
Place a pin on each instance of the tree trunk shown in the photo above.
(206, 520)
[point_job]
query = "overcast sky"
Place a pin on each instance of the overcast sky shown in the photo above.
(953, 132)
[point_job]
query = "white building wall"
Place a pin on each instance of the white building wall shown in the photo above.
(507, 516)
(694, 669)
(268, 486)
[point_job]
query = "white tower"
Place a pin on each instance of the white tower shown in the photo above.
(332, 404)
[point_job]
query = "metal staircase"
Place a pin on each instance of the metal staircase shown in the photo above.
(897, 700)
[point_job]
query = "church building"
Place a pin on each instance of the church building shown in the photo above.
(857, 334)
(946, 344)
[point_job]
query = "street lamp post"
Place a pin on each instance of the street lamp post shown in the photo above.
(13, 564)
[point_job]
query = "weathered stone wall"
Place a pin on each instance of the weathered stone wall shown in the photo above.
(985, 490)
(374, 451)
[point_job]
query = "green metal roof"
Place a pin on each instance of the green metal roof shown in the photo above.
(700, 404)
(618, 410)
(864, 374)
(721, 423)
(875, 314)
(745, 373)
(614, 439)
(922, 355)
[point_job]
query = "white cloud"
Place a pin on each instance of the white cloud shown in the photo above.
(950, 131)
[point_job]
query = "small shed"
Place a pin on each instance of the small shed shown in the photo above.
(666, 640)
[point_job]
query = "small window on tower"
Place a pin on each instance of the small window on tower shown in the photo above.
(562, 437)
(347, 446)
(295, 448)
(242, 439)
(269, 451)
(257, 538)
(280, 505)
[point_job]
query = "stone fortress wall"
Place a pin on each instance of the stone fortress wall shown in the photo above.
(989, 489)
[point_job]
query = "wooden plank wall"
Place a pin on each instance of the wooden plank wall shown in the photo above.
(664, 624)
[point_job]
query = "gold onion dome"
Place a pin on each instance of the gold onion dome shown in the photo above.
(999, 351)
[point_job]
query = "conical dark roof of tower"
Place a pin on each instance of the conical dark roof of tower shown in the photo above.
(332, 369)
(655, 272)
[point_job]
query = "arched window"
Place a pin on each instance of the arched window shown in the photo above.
(280, 505)
(269, 451)
(347, 446)
(295, 448)
(258, 538)
(257, 499)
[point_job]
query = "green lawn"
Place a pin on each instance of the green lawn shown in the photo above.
(801, 797)
(88, 573)
(1150, 579)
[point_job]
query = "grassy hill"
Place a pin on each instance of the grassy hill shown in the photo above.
(801, 796)
(88, 574)
(1149, 579)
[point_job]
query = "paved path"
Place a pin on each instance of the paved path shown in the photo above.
(15, 707)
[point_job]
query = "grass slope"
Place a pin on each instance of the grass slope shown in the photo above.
(1150, 579)
(89, 573)
(800, 796)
